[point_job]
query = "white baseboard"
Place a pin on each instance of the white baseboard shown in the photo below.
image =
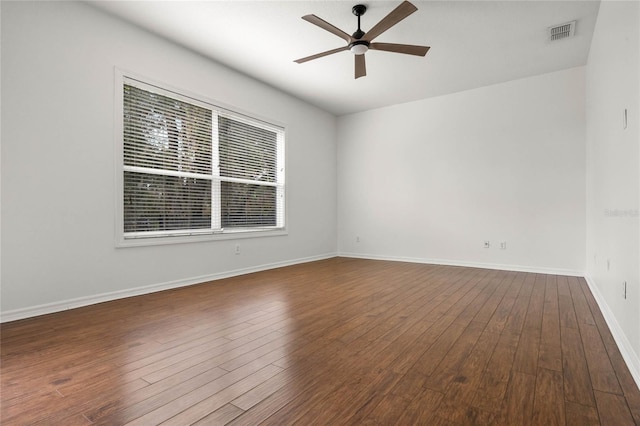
(628, 354)
(516, 268)
(64, 305)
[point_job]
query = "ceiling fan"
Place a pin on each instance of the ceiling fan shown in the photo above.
(360, 42)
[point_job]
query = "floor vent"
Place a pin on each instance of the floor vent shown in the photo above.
(558, 32)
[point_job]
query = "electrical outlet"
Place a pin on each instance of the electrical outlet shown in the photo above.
(237, 248)
(487, 244)
(503, 245)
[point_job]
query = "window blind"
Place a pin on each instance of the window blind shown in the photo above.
(249, 174)
(192, 168)
(167, 163)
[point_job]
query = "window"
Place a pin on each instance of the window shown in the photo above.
(191, 169)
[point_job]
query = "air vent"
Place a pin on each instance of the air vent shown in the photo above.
(558, 32)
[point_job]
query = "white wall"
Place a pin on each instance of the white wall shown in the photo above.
(613, 172)
(58, 170)
(432, 180)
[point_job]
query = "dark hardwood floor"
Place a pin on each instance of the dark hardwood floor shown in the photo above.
(339, 341)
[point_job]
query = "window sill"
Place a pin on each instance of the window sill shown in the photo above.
(123, 242)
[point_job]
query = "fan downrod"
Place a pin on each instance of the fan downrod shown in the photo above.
(358, 10)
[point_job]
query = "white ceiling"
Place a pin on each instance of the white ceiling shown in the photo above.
(473, 44)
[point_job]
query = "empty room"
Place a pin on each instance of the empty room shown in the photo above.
(320, 212)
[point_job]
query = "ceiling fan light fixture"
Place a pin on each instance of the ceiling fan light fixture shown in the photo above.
(359, 47)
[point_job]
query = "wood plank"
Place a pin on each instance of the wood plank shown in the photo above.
(421, 410)
(495, 378)
(519, 400)
(221, 416)
(262, 391)
(354, 399)
(581, 415)
(463, 387)
(548, 408)
(501, 314)
(577, 383)
(550, 357)
(427, 363)
(583, 313)
(395, 402)
(613, 409)
(526, 357)
(550, 350)
(533, 319)
(515, 320)
(450, 365)
(550, 332)
(603, 376)
(565, 305)
(474, 416)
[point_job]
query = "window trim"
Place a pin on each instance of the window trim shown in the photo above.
(182, 236)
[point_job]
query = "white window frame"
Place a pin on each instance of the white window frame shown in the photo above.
(215, 232)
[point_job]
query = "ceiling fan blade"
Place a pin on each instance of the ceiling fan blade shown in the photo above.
(328, 27)
(361, 68)
(398, 14)
(320, 55)
(408, 49)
